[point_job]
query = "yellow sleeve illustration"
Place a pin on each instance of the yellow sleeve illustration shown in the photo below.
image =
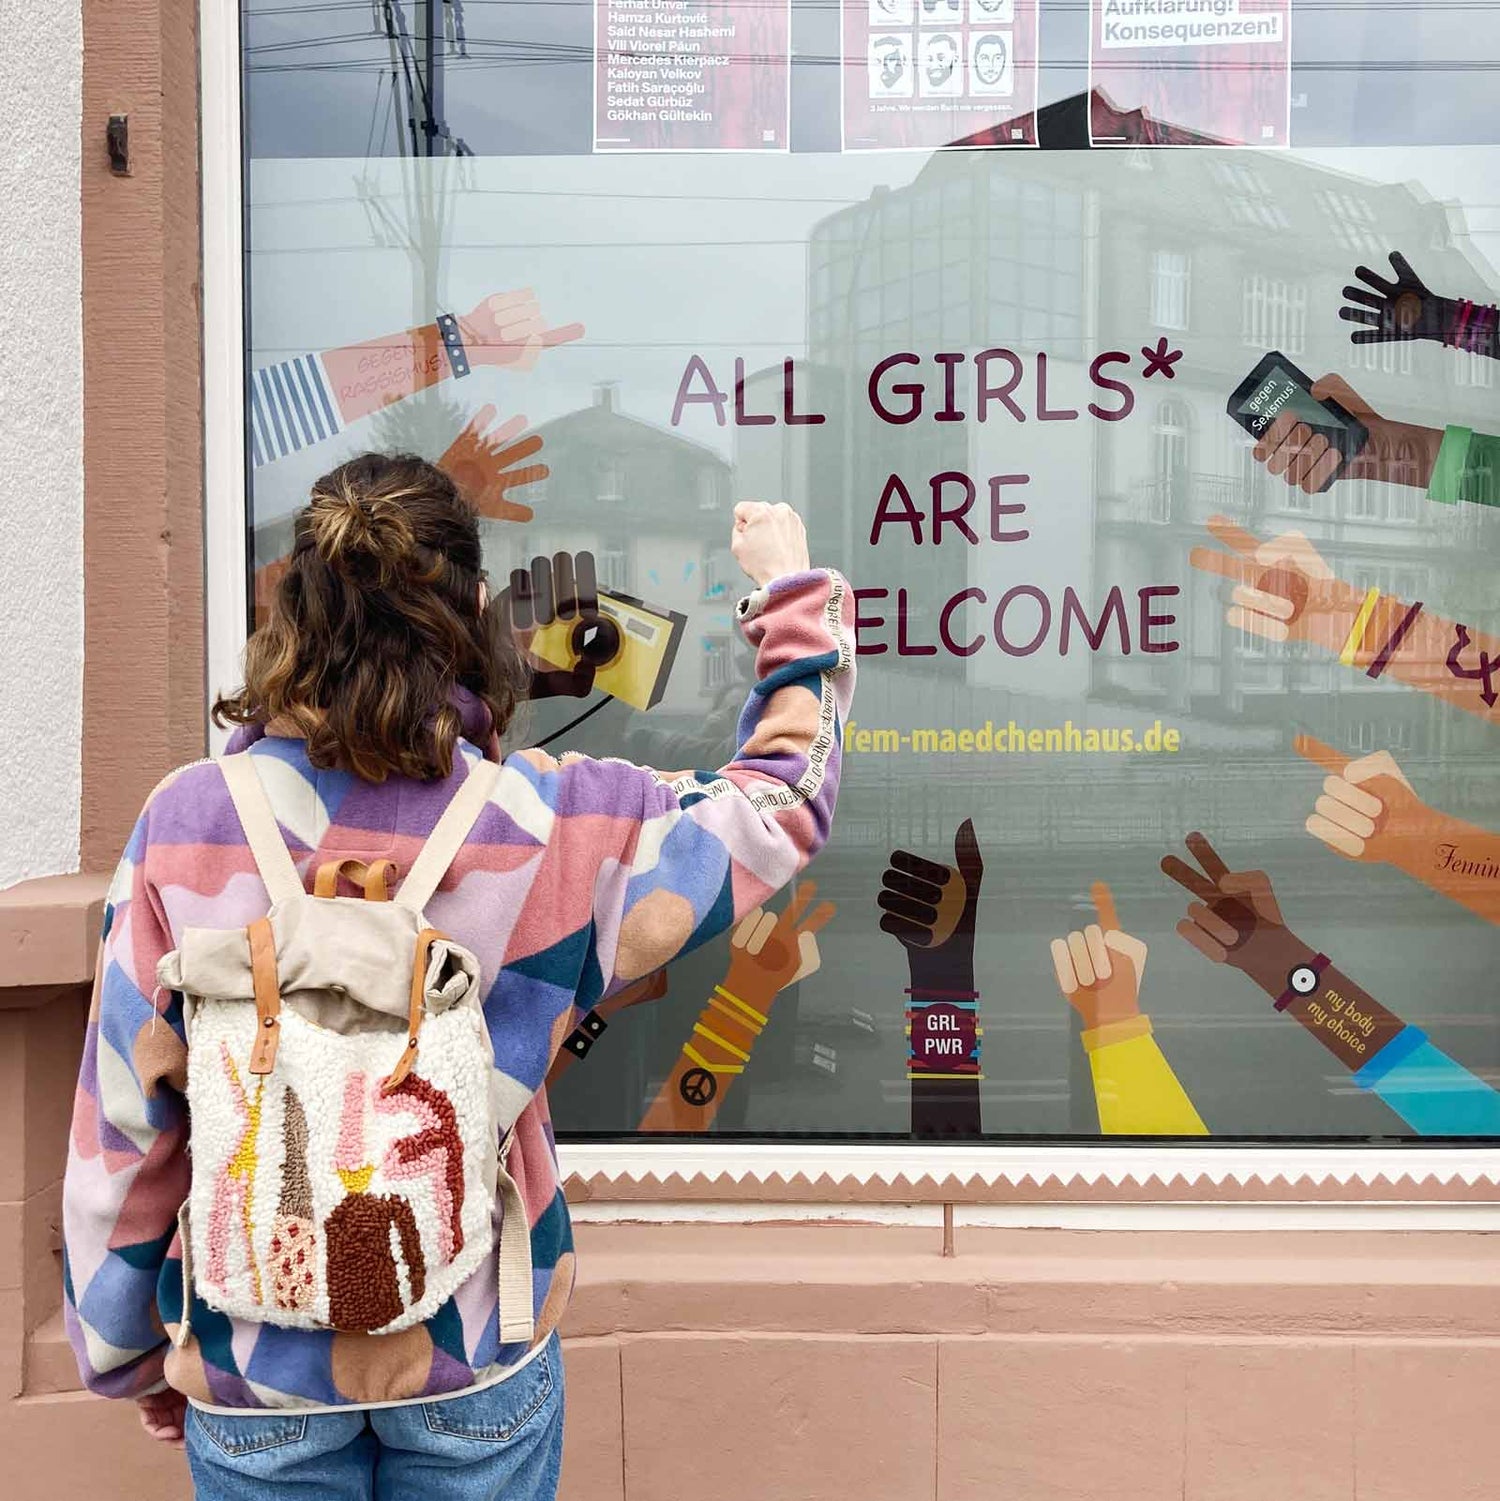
(1134, 1086)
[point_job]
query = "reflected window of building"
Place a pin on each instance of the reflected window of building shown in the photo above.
(1472, 369)
(1170, 437)
(720, 573)
(718, 662)
(1351, 222)
(1365, 500)
(609, 488)
(1406, 498)
(1274, 314)
(1248, 196)
(612, 568)
(1169, 289)
(1384, 359)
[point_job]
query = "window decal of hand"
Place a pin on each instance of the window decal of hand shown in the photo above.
(769, 951)
(767, 954)
(1234, 918)
(560, 594)
(1396, 453)
(1236, 921)
(932, 910)
(1283, 590)
(1099, 969)
(1369, 812)
(508, 331)
(1392, 310)
(486, 465)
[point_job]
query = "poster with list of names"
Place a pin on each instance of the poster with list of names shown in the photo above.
(691, 75)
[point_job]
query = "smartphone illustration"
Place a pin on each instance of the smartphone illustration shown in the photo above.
(1275, 386)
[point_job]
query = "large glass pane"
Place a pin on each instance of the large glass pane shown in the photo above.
(1097, 622)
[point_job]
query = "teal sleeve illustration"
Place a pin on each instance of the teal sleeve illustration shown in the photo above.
(1431, 1092)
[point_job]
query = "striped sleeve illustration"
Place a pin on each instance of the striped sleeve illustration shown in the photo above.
(290, 407)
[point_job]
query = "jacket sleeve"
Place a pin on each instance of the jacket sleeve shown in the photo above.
(127, 1172)
(1467, 469)
(1134, 1086)
(1434, 1094)
(679, 856)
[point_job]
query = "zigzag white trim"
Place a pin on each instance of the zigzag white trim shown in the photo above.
(1124, 1166)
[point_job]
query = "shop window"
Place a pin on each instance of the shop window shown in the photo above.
(1029, 542)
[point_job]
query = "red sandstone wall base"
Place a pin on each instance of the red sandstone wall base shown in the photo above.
(819, 1363)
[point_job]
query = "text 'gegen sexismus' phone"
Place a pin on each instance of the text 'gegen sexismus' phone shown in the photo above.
(1275, 386)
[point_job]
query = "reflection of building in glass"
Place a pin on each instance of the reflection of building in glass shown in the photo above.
(1070, 253)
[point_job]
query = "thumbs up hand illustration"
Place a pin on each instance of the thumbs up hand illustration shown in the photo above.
(932, 908)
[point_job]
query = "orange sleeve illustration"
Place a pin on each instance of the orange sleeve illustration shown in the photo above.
(1369, 812)
(1285, 591)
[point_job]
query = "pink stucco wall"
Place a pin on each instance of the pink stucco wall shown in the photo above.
(826, 1362)
(821, 1363)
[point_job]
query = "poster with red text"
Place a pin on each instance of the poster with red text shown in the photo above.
(1190, 73)
(692, 75)
(922, 74)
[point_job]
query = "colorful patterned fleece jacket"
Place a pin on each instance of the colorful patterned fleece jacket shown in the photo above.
(578, 877)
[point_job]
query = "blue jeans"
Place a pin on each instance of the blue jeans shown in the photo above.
(500, 1444)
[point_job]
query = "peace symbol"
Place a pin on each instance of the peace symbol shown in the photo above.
(698, 1086)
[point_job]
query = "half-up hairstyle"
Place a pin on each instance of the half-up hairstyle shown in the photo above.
(374, 624)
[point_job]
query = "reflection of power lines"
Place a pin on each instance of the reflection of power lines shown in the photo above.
(421, 79)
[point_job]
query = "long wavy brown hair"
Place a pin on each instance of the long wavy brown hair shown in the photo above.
(376, 621)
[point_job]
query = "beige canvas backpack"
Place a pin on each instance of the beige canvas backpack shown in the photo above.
(347, 1156)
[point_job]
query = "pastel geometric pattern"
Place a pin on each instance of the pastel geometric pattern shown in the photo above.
(578, 876)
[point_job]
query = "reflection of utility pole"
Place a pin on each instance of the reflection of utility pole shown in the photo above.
(419, 54)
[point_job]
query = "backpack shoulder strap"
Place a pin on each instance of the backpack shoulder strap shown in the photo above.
(447, 837)
(272, 858)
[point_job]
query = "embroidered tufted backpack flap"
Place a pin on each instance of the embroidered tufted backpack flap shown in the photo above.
(347, 1160)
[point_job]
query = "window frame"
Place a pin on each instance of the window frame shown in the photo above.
(1029, 1176)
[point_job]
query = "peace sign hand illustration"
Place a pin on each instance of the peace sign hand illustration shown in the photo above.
(1234, 918)
(1283, 589)
(769, 951)
(487, 466)
(1099, 968)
